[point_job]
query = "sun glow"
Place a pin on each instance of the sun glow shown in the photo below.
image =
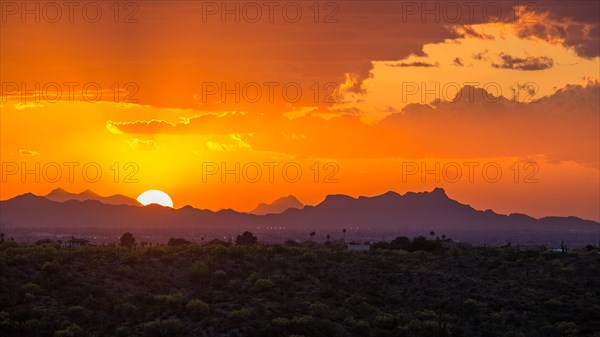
(155, 197)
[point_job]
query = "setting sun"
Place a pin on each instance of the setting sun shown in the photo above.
(155, 197)
(350, 168)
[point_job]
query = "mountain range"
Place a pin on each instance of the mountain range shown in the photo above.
(62, 195)
(278, 206)
(390, 212)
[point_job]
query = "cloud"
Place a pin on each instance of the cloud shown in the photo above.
(142, 145)
(27, 105)
(354, 83)
(458, 62)
(237, 144)
(389, 109)
(346, 110)
(528, 63)
(572, 24)
(562, 127)
(413, 64)
(113, 128)
(468, 31)
(483, 56)
(209, 124)
(280, 51)
(24, 152)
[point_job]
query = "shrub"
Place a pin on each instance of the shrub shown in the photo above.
(471, 305)
(124, 271)
(356, 299)
(33, 327)
(262, 284)
(219, 274)
(76, 311)
(31, 287)
(125, 309)
(240, 315)
(123, 331)
(7, 324)
(318, 309)
(164, 328)
(233, 284)
(198, 307)
(385, 320)
(198, 270)
(50, 267)
(280, 322)
(69, 330)
(155, 251)
(309, 256)
(173, 300)
(358, 326)
(304, 323)
(566, 329)
(175, 242)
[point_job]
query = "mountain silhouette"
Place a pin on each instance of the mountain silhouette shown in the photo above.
(278, 206)
(413, 212)
(62, 195)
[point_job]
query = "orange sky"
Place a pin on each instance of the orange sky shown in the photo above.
(354, 94)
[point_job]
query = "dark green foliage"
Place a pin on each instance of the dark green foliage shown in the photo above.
(43, 242)
(171, 327)
(404, 243)
(217, 242)
(174, 242)
(411, 288)
(127, 240)
(198, 308)
(246, 239)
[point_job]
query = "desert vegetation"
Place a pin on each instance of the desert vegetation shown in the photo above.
(407, 287)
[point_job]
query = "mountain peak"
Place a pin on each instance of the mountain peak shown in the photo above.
(337, 200)
(58, 190)
(278, 206)
(391, 194)
(89, 193)
(439, 192)
(61, 195)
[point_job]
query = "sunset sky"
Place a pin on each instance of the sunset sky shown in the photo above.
(361, 96)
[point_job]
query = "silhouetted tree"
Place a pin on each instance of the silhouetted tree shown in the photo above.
(291, 243)
(328, 237)
(246, 239)
(174, 242)
(218, 242)
(312, 235)
(421, 243)
(127, 240)
(43, 241)
(401, 242)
